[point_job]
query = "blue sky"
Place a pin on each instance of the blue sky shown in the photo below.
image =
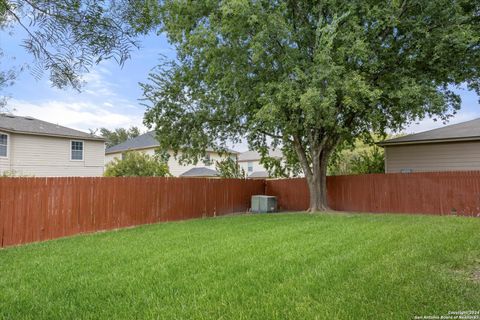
(110, 97)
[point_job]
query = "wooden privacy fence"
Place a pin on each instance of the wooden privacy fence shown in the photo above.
(440, 193)
(36, 209)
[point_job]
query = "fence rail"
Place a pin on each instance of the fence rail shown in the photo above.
(439, 193)
(36, 209)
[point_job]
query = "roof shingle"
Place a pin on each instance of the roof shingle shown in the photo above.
(259, 175)
(144, 141)
(200, 172)
(465, 131)
(29, 125)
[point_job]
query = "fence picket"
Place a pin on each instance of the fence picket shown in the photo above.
(36, 209)
(436, 193)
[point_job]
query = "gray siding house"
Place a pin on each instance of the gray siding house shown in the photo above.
(451, 148)
(37, 148)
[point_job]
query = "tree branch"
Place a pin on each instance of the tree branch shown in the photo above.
(297, 144)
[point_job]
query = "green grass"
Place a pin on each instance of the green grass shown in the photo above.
(282, 266)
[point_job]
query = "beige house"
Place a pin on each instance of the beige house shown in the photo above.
(451, 148)
(148, 144)
(37, 148)
(250, 162)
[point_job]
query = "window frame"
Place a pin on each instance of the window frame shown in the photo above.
(249, 167)
(7, 145)
(71, 150)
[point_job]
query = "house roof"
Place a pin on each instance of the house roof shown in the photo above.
(29, 125)
(200, 172)
(144, 141)
(465, 131)
(259, 175)
(254, 155)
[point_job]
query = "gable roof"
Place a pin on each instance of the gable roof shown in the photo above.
(259, 174)
(254, 155)
(465, 131)
(29, 125)
(200, 172)
(144, 141)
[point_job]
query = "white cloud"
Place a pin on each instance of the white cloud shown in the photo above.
(96, 84)
(77, 115)
(100, 104)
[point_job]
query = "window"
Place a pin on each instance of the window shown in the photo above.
(77, 150)
(207, 160)
(3, 145)
(250, 166)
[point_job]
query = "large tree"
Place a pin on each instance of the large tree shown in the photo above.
(309, 75)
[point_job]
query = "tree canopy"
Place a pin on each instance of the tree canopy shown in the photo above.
(229, 168)
(309, 75)
(118, 135)
(137, 164)
(66, 38)
(357, 160)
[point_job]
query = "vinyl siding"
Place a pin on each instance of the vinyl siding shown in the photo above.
(456, 156)
(43, 156)
(110, 157)
(176, 169)
(256, 166)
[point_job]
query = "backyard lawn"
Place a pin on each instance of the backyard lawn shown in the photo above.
(280, 266)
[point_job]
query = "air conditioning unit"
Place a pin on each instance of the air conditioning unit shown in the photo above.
(264, 204)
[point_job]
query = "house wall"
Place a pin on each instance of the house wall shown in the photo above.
(43, 156)
(176, 169)
(110, 157)
(256, 166)
(454, 156)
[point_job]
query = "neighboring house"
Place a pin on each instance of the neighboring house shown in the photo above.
(200, 173)
(147, 143)
(250, 162)
(452, 148)
(33, 147)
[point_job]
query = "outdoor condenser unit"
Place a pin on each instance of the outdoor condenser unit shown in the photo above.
(264, 204)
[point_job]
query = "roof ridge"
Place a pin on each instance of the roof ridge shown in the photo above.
(137, 144)
(446, 132)
(34, 126)
(444, 127)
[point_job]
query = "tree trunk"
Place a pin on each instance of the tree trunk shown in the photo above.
(317, 185)
(315, 171)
